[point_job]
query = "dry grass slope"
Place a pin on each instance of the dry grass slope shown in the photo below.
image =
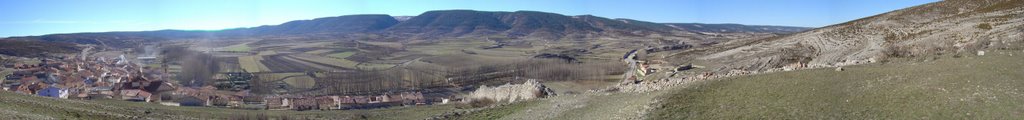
(981, 87)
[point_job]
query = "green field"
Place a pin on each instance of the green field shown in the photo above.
(244, 47)
(972, 87)
(341, 55)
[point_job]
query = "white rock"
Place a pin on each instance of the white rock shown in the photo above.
(981, 53)
(512, 92)
(839, 68)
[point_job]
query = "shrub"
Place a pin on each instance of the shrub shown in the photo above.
(482, 102)
(985, 26)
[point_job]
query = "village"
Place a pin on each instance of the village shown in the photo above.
(120, 78)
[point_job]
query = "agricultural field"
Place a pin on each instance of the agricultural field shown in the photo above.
(383, 44)
(326, 60)
(320, 51)
(274, 77)
(230, 64)
(300, 82)
(284, 61)
(268, 52)
(447, 47)
(341, 55)
(252, 64)
(374, 66)
(244, 47)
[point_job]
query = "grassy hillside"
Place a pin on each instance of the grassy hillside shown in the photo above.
(17, 106)
(973, 87)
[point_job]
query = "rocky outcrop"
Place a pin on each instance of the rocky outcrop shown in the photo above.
(512, 92)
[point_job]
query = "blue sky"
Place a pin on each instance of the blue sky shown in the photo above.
(39, 17)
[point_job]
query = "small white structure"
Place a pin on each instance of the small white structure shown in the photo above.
(981, 53)
(63, 93)
(121, 60)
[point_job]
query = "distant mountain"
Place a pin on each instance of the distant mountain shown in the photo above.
(550, 25)
(941, 28)
(734, 28)
(431, 24)
(452, 23)
(117, 39)
(339, 24)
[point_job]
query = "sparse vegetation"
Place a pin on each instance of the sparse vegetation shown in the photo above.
(497, 112)
(985, 26)
(961, 88)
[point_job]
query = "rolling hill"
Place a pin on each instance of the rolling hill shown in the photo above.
(35, 48)
(339, 24)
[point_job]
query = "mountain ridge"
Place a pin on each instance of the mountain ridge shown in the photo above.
(430, 24)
